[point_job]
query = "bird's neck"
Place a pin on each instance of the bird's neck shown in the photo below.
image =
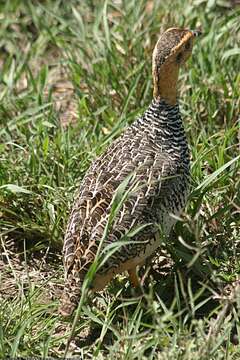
(165, 113)
(165, 83)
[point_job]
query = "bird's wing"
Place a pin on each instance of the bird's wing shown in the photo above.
(151, 176)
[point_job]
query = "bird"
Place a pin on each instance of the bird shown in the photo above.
(151, 161)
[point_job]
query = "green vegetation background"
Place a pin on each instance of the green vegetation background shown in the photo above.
(73, 74)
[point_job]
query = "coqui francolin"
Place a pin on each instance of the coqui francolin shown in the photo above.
(153, 155)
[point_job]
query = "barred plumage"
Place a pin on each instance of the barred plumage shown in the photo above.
(153, 151)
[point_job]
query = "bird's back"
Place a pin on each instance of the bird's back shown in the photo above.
(153, 152)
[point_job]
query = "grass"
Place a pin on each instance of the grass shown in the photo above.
(73, 75)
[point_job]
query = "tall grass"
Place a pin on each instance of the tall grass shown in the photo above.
(73, 76)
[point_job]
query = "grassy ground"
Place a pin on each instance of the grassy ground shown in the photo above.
(73, 75)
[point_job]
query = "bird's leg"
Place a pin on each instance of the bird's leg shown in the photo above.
(134, 277)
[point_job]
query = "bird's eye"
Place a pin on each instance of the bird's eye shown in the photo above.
(179, 57)
(187, 46)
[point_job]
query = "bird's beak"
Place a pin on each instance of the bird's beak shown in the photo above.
(196, 33)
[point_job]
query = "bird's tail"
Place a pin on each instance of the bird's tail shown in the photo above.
(71, 294)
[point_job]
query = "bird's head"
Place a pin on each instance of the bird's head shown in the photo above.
(172, 50)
